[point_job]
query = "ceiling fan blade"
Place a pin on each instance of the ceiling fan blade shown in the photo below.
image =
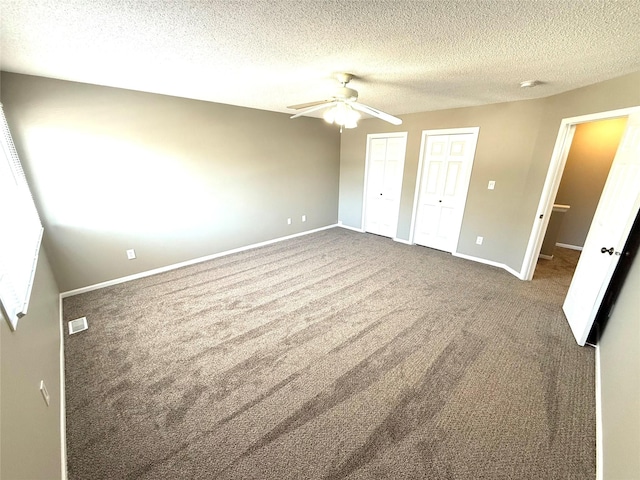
(307, 105)
(313, 109)
(376, 113)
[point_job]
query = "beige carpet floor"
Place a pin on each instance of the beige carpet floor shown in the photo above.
(336, 355)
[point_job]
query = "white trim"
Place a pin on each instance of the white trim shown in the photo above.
(355, 229)
(570, 247)
(364, 184)
(186, 263)
(545, 257)
(552, 182)
(416, 190)
(488, 262)
(456, 254)
(18, 255)
(402, 240)
(371, 136)
(416, 195)
(63, 402)
(592, 117)
(549, 191)
(599, 438)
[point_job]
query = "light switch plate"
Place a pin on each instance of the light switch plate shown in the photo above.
(45, 392)
(492, 185)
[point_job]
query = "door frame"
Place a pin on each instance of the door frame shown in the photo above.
(370, 137)
(552, 182)
(416, 197)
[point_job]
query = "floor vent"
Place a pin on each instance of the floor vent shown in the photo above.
(78, 325)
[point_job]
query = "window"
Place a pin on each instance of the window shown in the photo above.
(20, 231)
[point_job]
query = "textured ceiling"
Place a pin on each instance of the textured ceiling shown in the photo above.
(408, 56)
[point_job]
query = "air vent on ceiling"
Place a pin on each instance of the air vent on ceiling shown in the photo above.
(78, 325)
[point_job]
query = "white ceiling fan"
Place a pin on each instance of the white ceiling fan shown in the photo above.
(343, 108)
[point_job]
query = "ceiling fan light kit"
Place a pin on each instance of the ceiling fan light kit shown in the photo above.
(342, 114)
(343, 108)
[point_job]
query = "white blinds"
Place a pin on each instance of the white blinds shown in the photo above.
(20, 231)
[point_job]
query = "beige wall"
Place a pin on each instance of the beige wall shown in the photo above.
(177, 179)
(613, 94)
(505, 142)
(592, 151)
(620, 377)
(30, 446)
(174, 179)
(514, 148)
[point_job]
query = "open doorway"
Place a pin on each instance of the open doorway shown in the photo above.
(615, 213)
(553, 180)
(591, 153)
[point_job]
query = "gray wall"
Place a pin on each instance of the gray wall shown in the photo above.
(620, 377)
(505, 142)
(588, 163)
(177, 179)
(30, 445)
(614, 94)
(515, 144)
(173, 178)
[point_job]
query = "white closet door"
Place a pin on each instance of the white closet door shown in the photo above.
(616, 211)
(385, 167)
(446, 170)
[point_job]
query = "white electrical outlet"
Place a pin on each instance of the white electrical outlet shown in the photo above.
(479, 240)
(492, 185)
(45, 393)
(131, 254)
(288, 221)
(304, 218)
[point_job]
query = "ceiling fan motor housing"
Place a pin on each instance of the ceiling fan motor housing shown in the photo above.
(346, 93)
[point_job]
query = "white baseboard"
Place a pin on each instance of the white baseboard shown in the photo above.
(63, 403)
(599, 446)
(402, 240)
(545, 257)
(174, 266)
(360, 230)
(489, 262)
(571, 247)
(342, 225)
